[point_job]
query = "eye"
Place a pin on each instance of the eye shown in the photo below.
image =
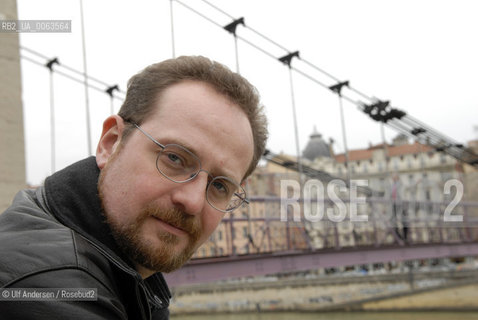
(173, 159)
(220, 186)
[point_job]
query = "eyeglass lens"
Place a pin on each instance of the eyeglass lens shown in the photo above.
(180, 165)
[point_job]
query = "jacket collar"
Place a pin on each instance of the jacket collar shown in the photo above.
(72, 197)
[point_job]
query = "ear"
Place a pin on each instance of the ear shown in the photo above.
(110, 137)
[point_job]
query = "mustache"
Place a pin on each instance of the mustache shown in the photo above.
(176, 218)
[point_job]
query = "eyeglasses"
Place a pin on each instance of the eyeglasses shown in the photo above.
(180, 165)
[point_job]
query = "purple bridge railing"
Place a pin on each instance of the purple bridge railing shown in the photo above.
(256, 241)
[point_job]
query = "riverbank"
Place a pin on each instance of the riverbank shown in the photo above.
(333, 316)
(462, 297)
(450, 290)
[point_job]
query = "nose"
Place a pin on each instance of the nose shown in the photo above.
(191, 196)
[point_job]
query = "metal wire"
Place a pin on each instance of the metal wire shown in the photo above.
(199, 14)
(404, 124)
(267, 53)
(218, 9)
(66, 75)
(85, 81)
(173, 46)
(38, 54)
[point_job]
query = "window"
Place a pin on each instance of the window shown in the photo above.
(395, 164)
(445, 176)
(442, 158)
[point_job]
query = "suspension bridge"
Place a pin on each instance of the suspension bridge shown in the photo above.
(271, 245)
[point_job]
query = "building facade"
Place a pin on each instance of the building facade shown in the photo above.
(407, 181)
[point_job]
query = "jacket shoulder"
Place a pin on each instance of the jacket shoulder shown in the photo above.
(32, 241)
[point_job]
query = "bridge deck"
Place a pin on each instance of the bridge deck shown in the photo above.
(213, 269)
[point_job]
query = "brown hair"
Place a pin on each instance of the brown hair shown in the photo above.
(145, 88)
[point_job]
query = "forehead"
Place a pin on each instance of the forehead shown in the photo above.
(194, 114)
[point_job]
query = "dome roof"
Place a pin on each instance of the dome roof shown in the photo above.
(316, 147)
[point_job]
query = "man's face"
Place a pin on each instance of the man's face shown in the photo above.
(160, 223)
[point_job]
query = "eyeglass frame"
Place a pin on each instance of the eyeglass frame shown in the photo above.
(244, 199)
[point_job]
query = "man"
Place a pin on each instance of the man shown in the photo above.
(168, 167)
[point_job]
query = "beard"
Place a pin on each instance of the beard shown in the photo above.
(128, 235)
(163, 258)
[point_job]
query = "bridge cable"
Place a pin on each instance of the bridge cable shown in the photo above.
(337, 88)
(199, 13)
(439, 142)
(70, 69)
(49, 65)
(173, 46)
(284, 49)
(231, 27)
(40, 55)
(287, 59)
(66, 75)
(411, 126)
(218, 9)
(85, 79)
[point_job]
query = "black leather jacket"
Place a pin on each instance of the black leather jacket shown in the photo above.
(56, 237)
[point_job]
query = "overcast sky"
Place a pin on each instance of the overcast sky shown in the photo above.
(420, 55)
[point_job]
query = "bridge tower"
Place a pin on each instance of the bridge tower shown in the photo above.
(12, 150)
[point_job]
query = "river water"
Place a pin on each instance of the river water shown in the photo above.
(337, 316)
